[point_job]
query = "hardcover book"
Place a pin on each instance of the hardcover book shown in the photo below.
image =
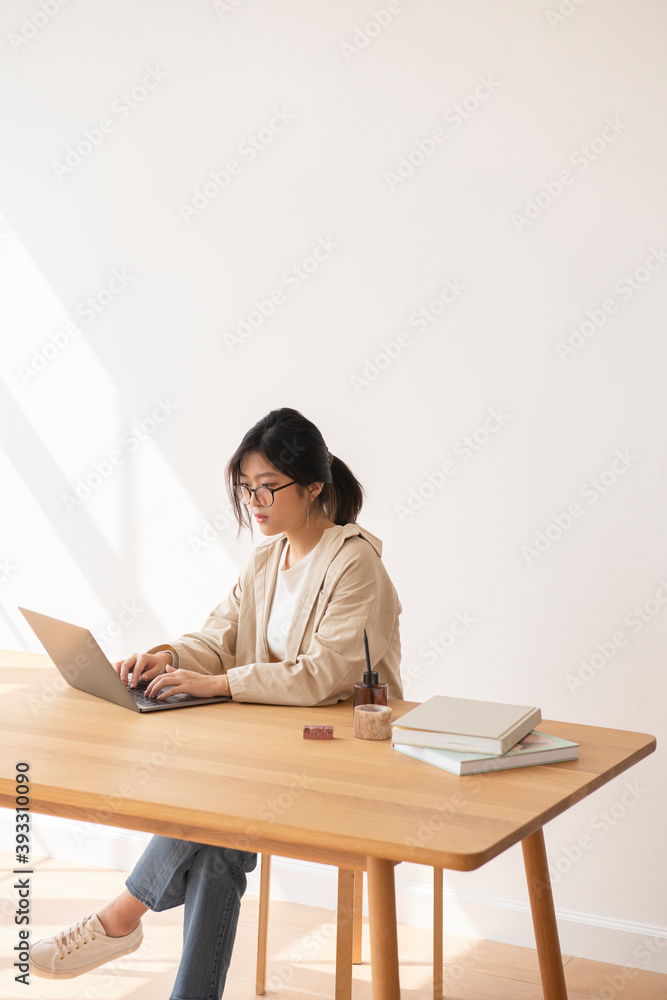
(465, 725)
(535, 748)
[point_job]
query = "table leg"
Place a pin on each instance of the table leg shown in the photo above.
(357, 924)
(382, 918)
(438, 931)
(544, 916)
(344, 920)
(263, 923)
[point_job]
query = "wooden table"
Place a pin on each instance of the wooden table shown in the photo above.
(242, 776)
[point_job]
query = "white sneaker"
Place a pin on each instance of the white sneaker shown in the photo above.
(80, 948)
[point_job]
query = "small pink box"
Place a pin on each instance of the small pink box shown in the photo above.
(318, 732)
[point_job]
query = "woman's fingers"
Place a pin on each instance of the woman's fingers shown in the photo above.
(123, 667)
(142, 665)
(164, 680)
(180, 681)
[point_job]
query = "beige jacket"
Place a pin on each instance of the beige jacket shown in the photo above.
(347, 589)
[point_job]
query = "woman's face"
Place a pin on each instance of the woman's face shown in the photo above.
(288, 510)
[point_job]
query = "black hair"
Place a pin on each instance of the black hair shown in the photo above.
(295, 446)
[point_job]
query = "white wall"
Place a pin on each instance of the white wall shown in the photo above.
(535, 210)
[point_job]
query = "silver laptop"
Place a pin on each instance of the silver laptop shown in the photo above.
(84, 666)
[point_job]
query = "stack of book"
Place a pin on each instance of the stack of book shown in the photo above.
(466, 736)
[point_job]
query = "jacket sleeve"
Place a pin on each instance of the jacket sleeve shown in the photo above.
(213, 649)
(362, 597)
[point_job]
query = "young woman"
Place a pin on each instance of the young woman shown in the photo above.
(289, 633)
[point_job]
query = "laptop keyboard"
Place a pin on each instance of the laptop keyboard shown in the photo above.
(144, 702)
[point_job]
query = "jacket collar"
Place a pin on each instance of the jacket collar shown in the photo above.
(268, 555)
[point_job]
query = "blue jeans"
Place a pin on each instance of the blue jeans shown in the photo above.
(210, 881)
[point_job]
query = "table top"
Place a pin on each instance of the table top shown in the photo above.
(242, 775)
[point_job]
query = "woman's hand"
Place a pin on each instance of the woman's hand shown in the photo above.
(143, 665)
(187, 682)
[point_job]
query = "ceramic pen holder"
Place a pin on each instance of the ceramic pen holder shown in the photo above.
(372, 722)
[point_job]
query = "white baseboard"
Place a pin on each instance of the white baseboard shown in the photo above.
(584, 935)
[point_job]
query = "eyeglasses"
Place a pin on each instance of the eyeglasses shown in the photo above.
(263, 494)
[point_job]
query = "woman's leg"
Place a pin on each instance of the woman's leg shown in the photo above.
(210, 881)
(121, 915)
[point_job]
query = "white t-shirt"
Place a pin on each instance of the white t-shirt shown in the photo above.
(288, 585)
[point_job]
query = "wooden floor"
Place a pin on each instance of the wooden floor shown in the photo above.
(301, 953)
